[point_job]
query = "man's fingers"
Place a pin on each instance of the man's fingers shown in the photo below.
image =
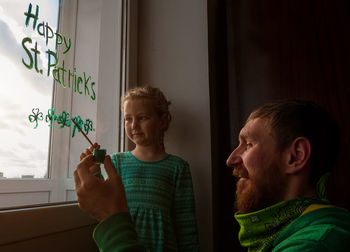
(95, 146)
(88, 151)
(82, 155)
(76, 180)
(82, 173)
(109, 167)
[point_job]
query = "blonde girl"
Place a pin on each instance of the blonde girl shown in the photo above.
(158, 185)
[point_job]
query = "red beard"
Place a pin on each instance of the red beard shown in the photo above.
(253, 193)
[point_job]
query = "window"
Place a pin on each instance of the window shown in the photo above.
(59, 60)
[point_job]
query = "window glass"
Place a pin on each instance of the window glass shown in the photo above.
(26, 29)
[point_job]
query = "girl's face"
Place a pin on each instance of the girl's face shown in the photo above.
(143, 126)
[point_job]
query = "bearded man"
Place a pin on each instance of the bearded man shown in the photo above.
(285, 154)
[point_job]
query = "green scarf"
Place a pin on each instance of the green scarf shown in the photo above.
(259, 229)
(321, 187)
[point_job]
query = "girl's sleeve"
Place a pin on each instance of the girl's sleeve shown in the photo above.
(184, 211)
(117, 234)
(115, 162)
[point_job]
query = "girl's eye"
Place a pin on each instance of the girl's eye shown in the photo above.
(128, 119)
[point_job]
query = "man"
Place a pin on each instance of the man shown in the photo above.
(285, 151)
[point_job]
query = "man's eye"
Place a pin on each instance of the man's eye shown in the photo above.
(248, 146)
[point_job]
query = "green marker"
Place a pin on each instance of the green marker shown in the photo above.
(99, 155)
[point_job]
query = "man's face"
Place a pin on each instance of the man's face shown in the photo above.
(258, 166)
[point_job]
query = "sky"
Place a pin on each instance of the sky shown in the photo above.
(24, 150)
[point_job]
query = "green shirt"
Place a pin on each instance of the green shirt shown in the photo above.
(325, 229)
(117, 234)
(160, 200)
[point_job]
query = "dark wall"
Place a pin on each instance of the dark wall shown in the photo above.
(298, 49)
(277, 49)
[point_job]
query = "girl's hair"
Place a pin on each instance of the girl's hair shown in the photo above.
(161, 104)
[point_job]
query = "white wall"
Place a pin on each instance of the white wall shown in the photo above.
(173, 55)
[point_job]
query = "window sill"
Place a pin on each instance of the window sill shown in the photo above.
(31, 222)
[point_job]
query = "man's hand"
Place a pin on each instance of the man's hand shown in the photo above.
(99, 198)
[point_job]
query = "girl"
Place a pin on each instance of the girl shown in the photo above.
(158, 185)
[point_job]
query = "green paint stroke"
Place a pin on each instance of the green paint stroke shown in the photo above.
(35, 117)
(66, 77)
(63, 120)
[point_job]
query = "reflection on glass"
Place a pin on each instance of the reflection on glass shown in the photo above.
(26, 88)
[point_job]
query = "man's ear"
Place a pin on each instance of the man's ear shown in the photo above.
(298, 155)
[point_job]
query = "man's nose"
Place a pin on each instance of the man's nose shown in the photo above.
(234, 158)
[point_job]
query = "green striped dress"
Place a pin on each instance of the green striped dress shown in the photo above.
(160, 200)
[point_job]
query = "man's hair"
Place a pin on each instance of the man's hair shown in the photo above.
(292, 118)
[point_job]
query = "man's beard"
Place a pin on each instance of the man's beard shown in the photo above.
(260, 193)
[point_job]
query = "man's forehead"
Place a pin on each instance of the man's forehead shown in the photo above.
(255, 126)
